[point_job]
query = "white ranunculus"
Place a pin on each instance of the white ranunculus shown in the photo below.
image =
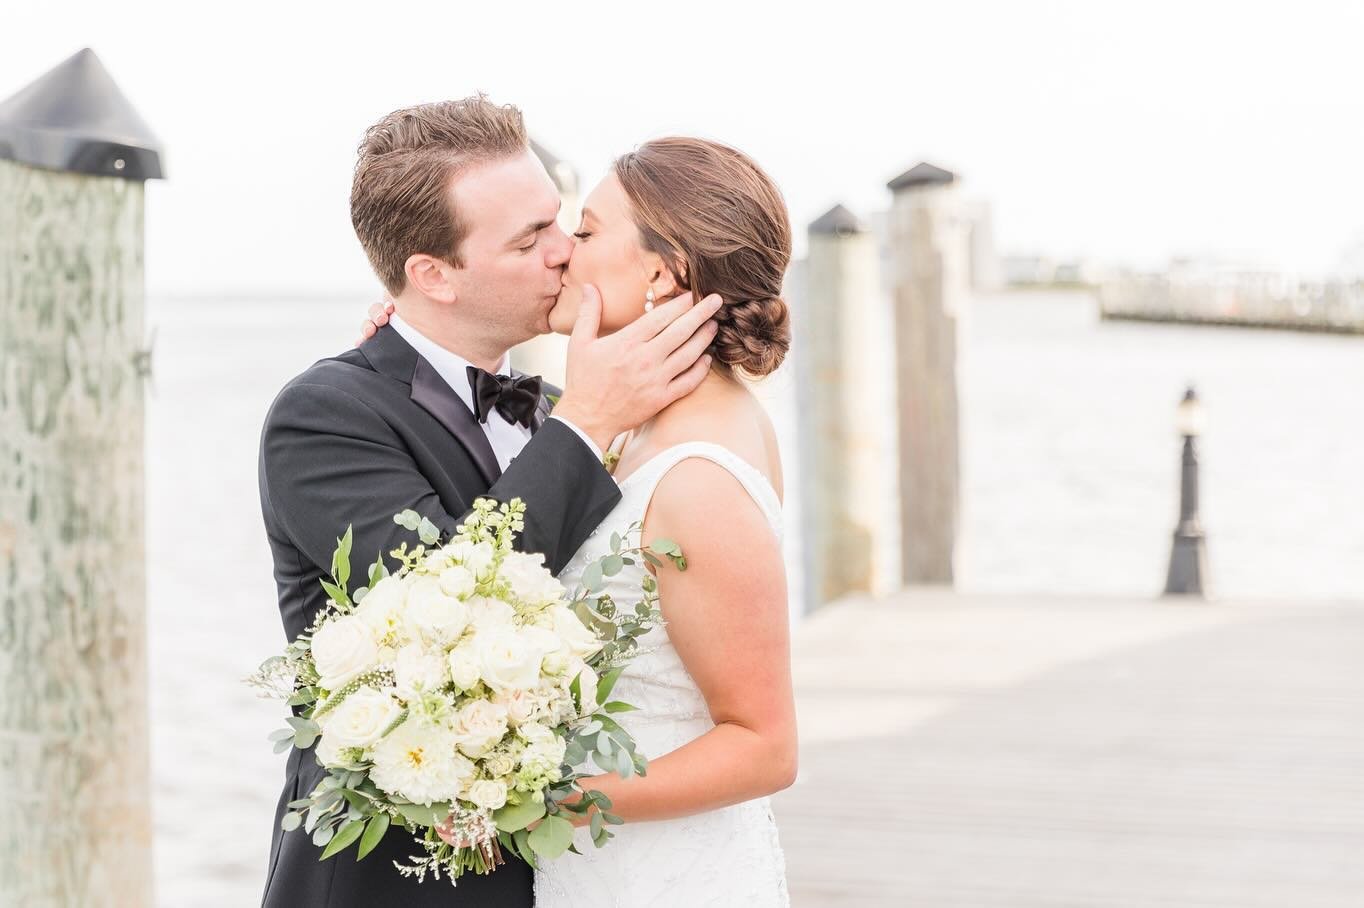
(360, 719)
(488, 794)
(577, 637)
(418, 669)
(458, 582)
(530, 580)
(432, 615)
(476, 556)
(485, 612)
(511, 656)
(436, 562)
(478, 726)
(382, 607)
(343, 649)
(465, 666)
(419, 761)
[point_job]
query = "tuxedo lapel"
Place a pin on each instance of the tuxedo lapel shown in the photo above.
(432, 394)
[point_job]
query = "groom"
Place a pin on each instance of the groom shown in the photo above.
(457, 217)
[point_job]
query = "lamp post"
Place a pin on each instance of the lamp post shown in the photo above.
(1188, 555)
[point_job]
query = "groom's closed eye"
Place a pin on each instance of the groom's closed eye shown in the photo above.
(531, 233)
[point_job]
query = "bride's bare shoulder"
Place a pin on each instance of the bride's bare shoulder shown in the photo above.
(726, 414)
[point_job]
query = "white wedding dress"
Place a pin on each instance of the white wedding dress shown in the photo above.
(724, 857)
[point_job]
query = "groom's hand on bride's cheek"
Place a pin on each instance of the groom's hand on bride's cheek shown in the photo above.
(622, 380)
(378, 317)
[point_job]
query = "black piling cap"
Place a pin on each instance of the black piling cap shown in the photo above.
(74, 118)
(922, 174)
(837, 221)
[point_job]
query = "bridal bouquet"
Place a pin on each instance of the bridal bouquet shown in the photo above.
(461, 696)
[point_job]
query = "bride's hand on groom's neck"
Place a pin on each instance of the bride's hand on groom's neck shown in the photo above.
(620, 381)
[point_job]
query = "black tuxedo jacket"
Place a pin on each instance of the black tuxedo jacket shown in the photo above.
(352, 441)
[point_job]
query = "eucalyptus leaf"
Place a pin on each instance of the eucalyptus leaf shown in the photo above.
(427, 532)
(322, 835)
(282, 746)
(592, 577)
(611, 565)
(552, 837)
(512, 817)
(292, 820)
(615, 542)
(619, 706)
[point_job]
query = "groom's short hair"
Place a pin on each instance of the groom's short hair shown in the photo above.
(400, 203)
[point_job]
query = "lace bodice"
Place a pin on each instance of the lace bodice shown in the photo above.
(725, 857)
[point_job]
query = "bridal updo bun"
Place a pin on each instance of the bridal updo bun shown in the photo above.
(721, 225)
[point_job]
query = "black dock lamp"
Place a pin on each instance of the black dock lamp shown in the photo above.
(1188, 556)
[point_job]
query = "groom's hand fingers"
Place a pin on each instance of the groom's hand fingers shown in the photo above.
(690, 380)
(681, 359)
(588, 322)
(648, 326)
(686, 325)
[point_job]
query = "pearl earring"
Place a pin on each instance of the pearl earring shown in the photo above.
(649, 300)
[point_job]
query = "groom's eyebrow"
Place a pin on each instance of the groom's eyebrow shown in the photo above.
(531, 229)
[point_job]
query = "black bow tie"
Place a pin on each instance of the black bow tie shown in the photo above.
(516, 399)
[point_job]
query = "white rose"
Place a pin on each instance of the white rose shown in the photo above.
(530, 580)
(556, 663)
(360, 719)
(485, 612)
(521, 705)
(436, 562)
(343, 649)
(436, 617)
(382, 606)
(577, 637)
(476, 556)
(465, 666)
(499, 764)
(511, 657)
(418, 669)
(587, 684)
(458, 582)
(488, 794)
(478, 727)
(328, 751)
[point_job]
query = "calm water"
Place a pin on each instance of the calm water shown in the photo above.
(1070, 466)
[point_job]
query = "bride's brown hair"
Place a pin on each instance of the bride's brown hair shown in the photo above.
(720, 224)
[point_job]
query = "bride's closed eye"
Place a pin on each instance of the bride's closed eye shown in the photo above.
(582, 234)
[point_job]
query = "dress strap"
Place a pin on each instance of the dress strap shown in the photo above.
(645, 479)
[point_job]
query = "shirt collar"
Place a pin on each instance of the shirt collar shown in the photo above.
(449, 365)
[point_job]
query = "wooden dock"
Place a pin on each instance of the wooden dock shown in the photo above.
(1011, 752)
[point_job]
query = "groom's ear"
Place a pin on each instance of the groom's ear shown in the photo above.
(433, 278)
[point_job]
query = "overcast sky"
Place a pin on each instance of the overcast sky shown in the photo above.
(1122, 131)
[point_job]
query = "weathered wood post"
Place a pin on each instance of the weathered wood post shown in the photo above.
(846, 400)
(547, 355)
(75, 804)
(931, 276)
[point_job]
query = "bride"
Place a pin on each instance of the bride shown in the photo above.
(716, 715)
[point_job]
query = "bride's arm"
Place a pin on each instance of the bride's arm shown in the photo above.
(727, 618)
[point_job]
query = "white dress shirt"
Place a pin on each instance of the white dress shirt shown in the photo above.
(507, 438)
